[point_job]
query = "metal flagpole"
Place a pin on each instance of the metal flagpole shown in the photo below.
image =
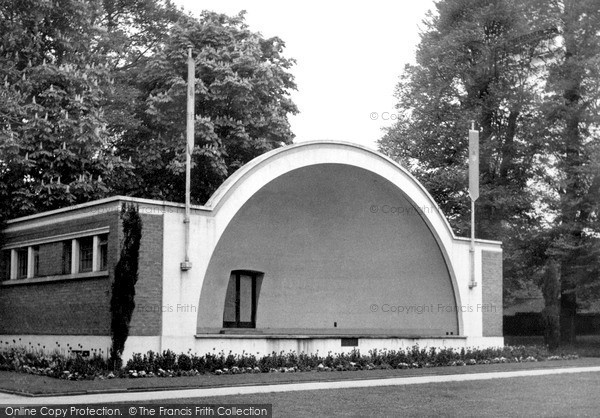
(473, 193)
(189, 148)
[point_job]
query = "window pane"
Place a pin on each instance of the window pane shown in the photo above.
(103, 252)
(229, 312)
(66, 258)
(240, 300)
(21, 263)
(86, 254)
(36, 261)
(245, 298)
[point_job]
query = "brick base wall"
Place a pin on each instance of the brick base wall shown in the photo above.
(4, 265)
(71, 307)
(146, 320)
(66, 307)
(82, 306)
(491, 288)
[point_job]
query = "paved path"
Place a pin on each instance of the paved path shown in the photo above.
(5, 398)
(288, 387)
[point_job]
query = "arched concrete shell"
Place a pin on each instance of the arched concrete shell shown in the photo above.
(349, 242)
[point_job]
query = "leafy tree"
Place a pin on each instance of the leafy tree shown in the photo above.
(528, 73)
(92, 100)
(476, 61)
(242, 102)
(54, 147)
(134, 31)
(571, 114)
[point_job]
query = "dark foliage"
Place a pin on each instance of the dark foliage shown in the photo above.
(122, 301)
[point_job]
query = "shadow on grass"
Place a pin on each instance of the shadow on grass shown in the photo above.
(585, 345)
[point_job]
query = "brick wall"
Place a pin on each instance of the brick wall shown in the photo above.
(4, 265)
(51, 259)
(67, 307)
(82, 306)
(71, 307)
(146, 318)
(491, 288)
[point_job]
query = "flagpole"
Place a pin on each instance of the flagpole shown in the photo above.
(189, 148)
(473, 193)
(472, 283)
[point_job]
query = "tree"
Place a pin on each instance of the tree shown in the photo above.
(93, 101)
(528, 73)
(242, 103)
(550, 285)
(133, 32)
(571, 113)
(54, 145)
(122, 302)
(476, 61)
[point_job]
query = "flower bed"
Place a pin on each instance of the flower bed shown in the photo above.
(169, 364)
(54, 364)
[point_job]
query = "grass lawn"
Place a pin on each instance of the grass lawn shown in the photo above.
(562, 395)
(41, 385)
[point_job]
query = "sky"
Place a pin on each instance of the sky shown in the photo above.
(349, 58)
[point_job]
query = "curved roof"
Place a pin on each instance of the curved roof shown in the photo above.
(300, 154)
(248, 169)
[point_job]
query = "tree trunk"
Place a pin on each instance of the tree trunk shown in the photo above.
(552, 300)
(568, 311)
(508, 148)
(573, 212)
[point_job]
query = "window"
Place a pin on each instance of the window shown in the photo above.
(241, 299)
(45, 257)
(103, 252)
(22, 263)
(36, 260)
(86, 254)
(67, 254)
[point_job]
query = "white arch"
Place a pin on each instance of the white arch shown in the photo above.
(249, 179)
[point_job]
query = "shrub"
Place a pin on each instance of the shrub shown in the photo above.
(184, 362)
(199, 363)
(55, 364)
(166, 361)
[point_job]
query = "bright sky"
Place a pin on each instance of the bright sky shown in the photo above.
(349, 57)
